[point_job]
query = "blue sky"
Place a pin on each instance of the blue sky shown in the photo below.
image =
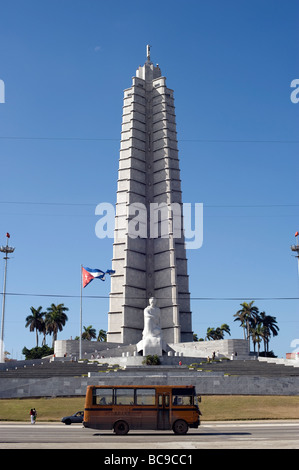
(65, 64)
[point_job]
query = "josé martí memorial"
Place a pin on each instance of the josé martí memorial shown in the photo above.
(149, 311)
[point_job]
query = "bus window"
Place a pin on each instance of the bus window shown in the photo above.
(182, 396)
(124, 396)
(102, 396)
(145, 396)
(163, 400)
(182, 400)
(197, 400)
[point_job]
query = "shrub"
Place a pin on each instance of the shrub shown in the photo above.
(152, 360)
(37, 352)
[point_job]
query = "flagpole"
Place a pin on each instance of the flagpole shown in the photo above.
(80, 336)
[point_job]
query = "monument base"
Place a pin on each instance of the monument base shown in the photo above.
(120, 353)
(151, 346)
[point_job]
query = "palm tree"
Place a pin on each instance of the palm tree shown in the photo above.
(35, 321)
(247, 316)
(211, 333)
(44, 331)
(102, 336)
(89, 333)
(217, 333)
(224, 328)
(257, 334)
(270, 326)
(55, 319)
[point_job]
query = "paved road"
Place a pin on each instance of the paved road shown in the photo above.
(216, 435)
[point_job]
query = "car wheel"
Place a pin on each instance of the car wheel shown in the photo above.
(180, 427)
(68, 421)
(121, 428)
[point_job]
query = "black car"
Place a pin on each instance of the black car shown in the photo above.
(75, 418)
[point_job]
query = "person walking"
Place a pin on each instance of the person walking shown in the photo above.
(33, 415)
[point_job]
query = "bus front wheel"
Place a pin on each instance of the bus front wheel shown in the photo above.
(180, 427)
(121, 427)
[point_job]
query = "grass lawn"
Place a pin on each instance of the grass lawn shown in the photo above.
(213, 407)
(48, 409)
(231, 407)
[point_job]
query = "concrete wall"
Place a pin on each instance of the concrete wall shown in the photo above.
(207, 383)
(71, 347)
(223, 347)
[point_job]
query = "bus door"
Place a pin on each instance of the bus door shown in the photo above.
(163, 411)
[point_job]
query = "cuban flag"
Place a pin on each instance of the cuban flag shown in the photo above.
(89, 274)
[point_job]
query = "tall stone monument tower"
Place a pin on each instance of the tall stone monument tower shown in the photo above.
(153, 263)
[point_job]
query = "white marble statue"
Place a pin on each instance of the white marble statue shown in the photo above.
(152, 319)
(152, 333)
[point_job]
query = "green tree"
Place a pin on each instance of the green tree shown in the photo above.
(102, 336)
(246, 316)
(35, 321)
(55, 319)
(270, 326)
(257, 335)
(217, 333)
(44, 331)
(89, 333)
(211, 334)
(257, 326)
(224, 328)
(37, 353)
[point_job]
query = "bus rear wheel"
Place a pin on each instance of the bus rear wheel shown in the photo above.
(180, 427)
(121, 428)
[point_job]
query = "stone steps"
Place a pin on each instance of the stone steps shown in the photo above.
(40, 369)
(46, 370)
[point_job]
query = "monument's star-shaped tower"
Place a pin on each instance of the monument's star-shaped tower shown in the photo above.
(148, 265)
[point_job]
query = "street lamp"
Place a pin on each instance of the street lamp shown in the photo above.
(6, 250)
(295, 248)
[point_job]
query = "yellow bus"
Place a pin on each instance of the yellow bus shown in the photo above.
(159, 407)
